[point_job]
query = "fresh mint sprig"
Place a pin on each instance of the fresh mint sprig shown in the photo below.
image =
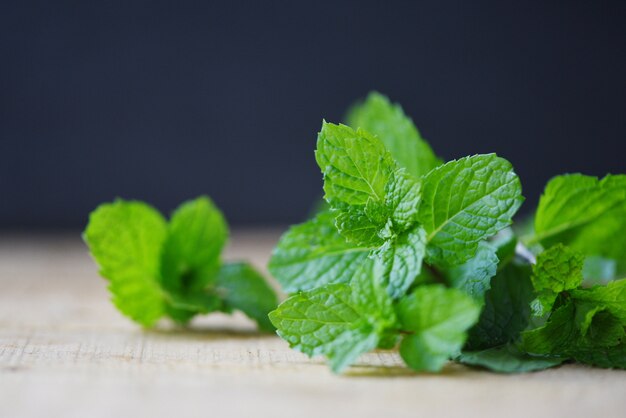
(174, 269)
(446, 278)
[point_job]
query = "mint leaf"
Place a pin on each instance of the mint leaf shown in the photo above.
(606, 357)
(197, 232)
(556, 336)
(311, 321)
(196, 236)
(355, 164)
(575, 328)
(244, 289)
(125, 239)
(436, 320)
(376, 205)
(558, 269)
(598, 327)
(465, 201)
(400, 136)
(325, 321)
(374, 200)
(474, 276)
(314, 254)
(506, 311)
(359, 228)
(612, 297)
(338, 321)
(585, 214)
(376, 222)
(402, 198)
(507, 359)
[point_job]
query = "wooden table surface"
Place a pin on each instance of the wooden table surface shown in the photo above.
(65, 351)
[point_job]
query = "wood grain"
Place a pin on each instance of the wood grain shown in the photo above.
(65, 351)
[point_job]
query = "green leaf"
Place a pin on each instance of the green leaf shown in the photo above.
(507, 308)
(402, 259)
(243, 288)
(313, 254)
(376, 222)
(584, 213)
(359, 228)
(605, 357)
(402, 198)
(338, 320)
(375, 199)
(125, 238)
(464, 202)
(436, 319)
(507, 359)
(575, 327)
(558, 269)
(598, 327)
(612, 297)
(349, 346)
(356, 165)
(474, 276)
(311, 321)
(191, 256)
(397, 131)
(556, 337)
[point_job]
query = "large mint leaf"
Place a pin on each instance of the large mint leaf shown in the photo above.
(125, 238)
(314, 254)
(356, 165)
(310, 321)
(557, 269)
(507, 308)
(397, 131)
(465, 201)
(243, 288)
(338, 321)
(191, 256)
(436, 320)
(373, 199)
(584, 213)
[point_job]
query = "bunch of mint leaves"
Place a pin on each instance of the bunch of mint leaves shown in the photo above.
(416, 254)
(173, 269)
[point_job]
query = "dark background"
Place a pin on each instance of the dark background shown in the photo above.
(163, 101)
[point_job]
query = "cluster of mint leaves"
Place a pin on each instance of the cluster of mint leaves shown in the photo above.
(419, 254)
(173, 269)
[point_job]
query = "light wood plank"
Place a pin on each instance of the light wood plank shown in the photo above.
(65, 351)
